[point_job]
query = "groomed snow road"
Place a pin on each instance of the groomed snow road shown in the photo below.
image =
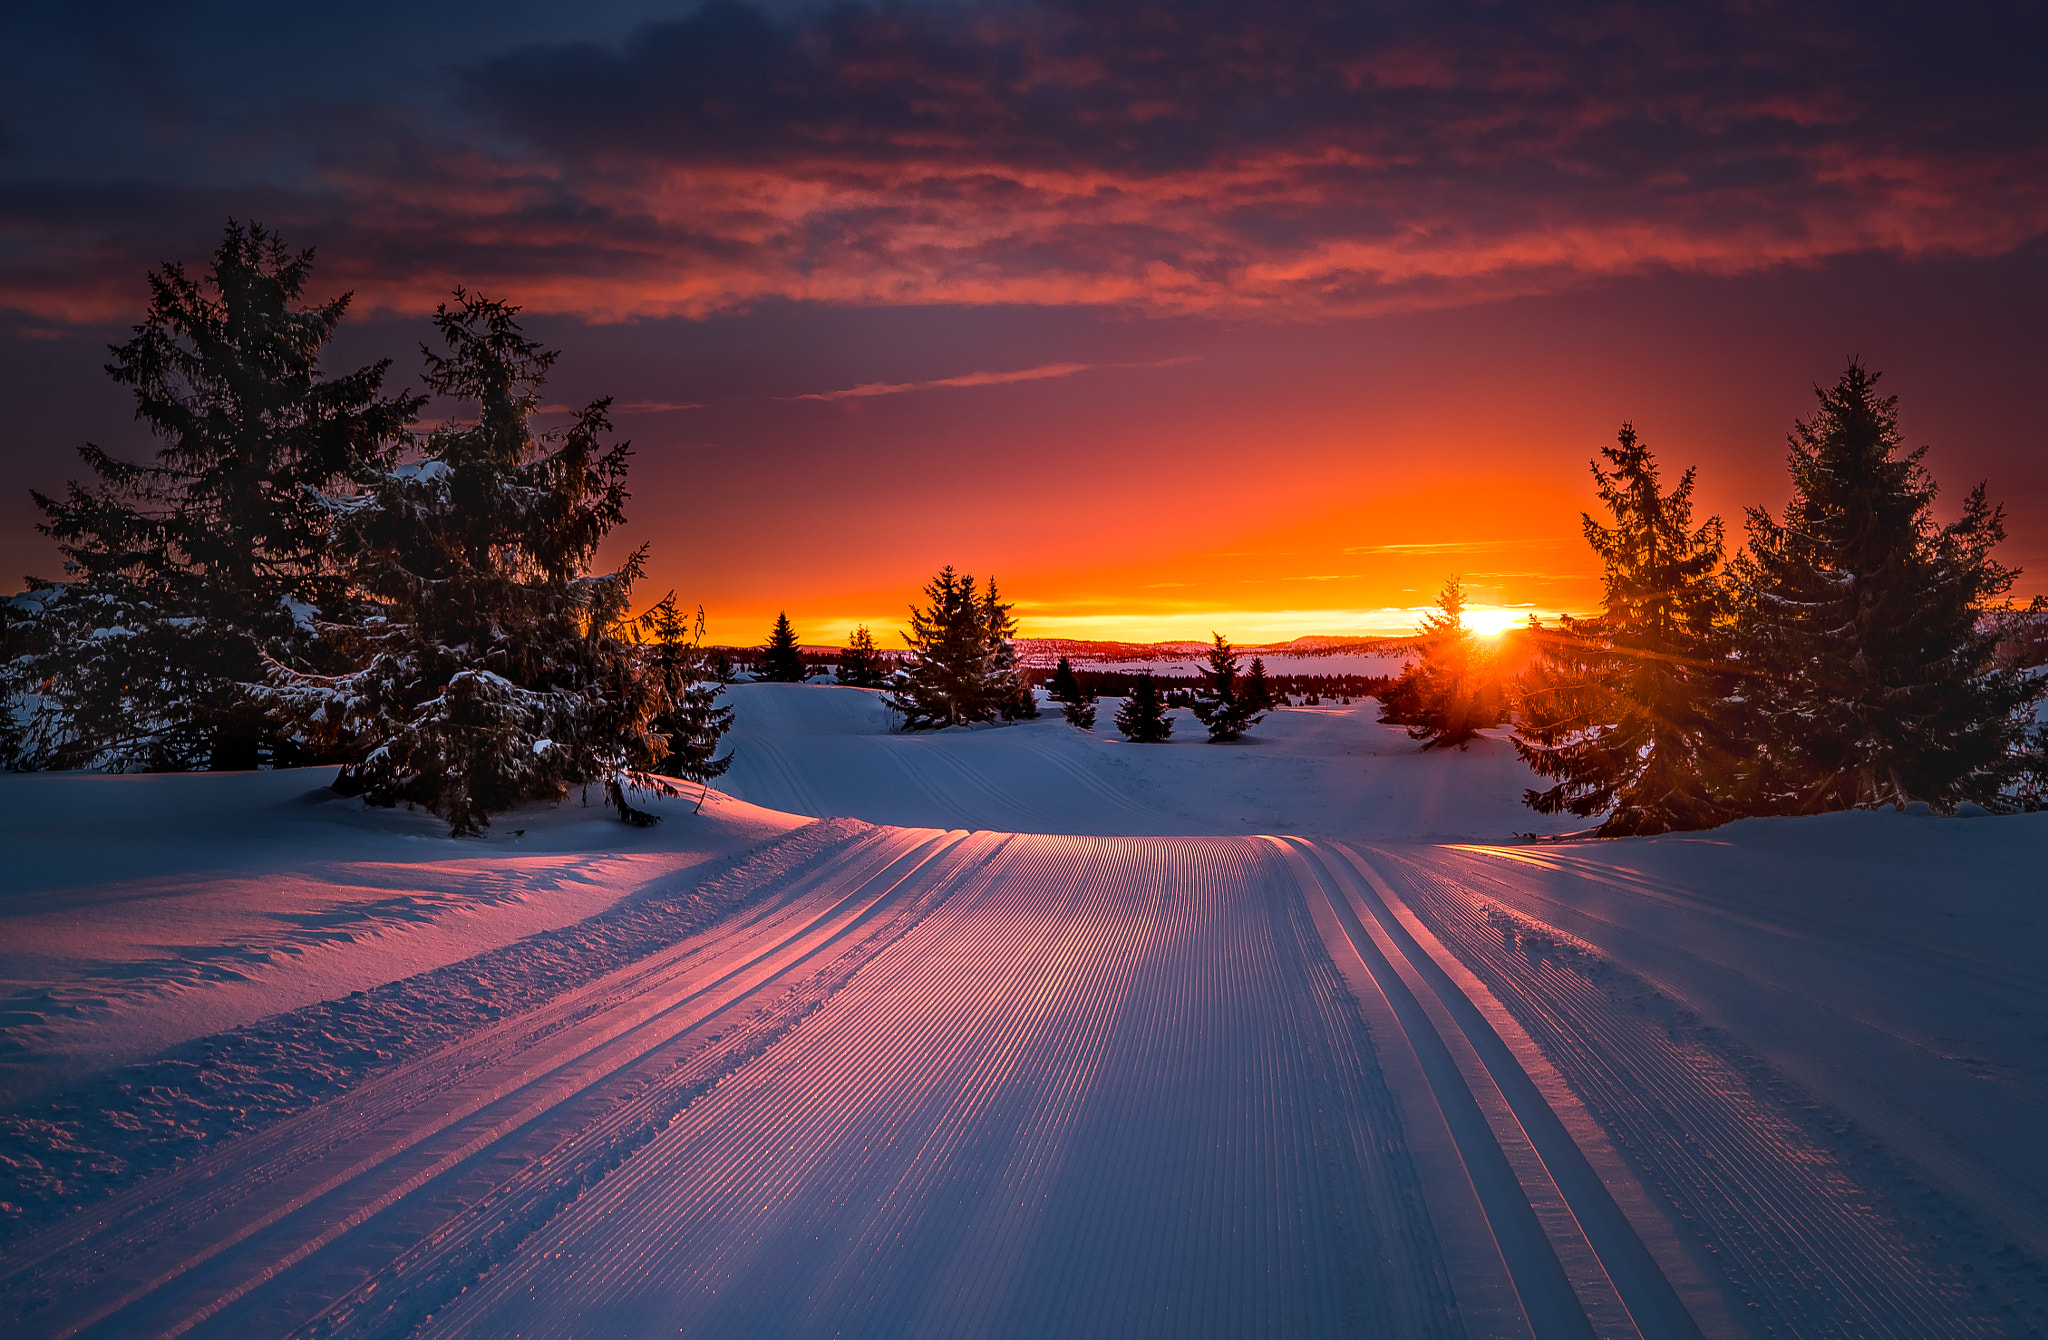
(984, 1084)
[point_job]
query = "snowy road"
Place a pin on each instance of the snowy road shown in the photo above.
(996, 1084)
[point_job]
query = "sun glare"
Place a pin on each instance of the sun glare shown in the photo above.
(1488, 623)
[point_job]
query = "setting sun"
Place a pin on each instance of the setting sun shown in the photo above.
(1492, 622)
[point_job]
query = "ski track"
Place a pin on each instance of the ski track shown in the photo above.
(1804, 1244)
(991, 1084)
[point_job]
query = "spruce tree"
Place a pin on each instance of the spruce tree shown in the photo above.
(689, 720)
(491, 666)
(1076, 702)
(781, 661)
(1449, 693)
(1258, 690)
(1064, 687)
(965, 668)
(1008, 686)
(1625, 710)
(1143, 719)
(1224, 709)
(1866, 626)
(860, 665)
(183, 575)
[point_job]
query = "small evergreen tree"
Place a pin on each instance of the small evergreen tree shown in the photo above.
(689, 720)
(1448, 694)
(861, 664)
(492, 666)
(965, 669)
(1065, 687)
(183, 575)
(1008, 684)
(1143, 719)
(1257, 692)
(1224, 709)
(1080, 714)
(781, 661)
(1869, 623)
(1625, 710)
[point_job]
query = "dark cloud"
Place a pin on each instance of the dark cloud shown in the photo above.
(1301, 157)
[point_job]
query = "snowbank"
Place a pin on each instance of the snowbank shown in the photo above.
(139, 911)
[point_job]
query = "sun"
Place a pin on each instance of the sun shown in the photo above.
(1490, 623)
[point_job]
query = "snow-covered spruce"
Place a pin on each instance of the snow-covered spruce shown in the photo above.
(490, 666)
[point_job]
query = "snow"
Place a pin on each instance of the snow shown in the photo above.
(140, 911)
(1037, 1032)
(809, 749)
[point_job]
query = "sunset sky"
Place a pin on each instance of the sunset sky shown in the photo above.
(1263, 318)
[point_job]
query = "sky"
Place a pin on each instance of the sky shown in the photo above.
(1262, 318)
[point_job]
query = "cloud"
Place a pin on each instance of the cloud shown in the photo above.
(1292, 158)
(1454, 546)
(1040, 373)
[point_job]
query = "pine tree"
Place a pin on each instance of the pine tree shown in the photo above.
(1625, 710)
(1008, 684)
(1224, 709)
(1143, 719)
(1065, 687)
(1076, 702)
(861, 664)
(1258, 690)
(183, 575)
(965, 669)
(781, 661)
(492, 669)
(689, 720)
(1868, 623)
(1448, 694)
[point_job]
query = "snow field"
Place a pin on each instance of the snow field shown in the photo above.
(811, 749)
(1782, 1079)
(1107, 1088)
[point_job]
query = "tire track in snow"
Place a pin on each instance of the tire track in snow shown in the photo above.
(1807, 1247)
(1107, 1087)
(177, 1251)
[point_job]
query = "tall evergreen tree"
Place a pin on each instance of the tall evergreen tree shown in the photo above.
(781, 661)
(1143, 719)
(492, 669)
(1449, 693)
(1224, 709)
(689, 721)
(184, 574)
(1868, 622)
(860, 665)
(1625, 710)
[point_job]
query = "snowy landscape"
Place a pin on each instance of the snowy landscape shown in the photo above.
(1023, 670)
(1015, 1031)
